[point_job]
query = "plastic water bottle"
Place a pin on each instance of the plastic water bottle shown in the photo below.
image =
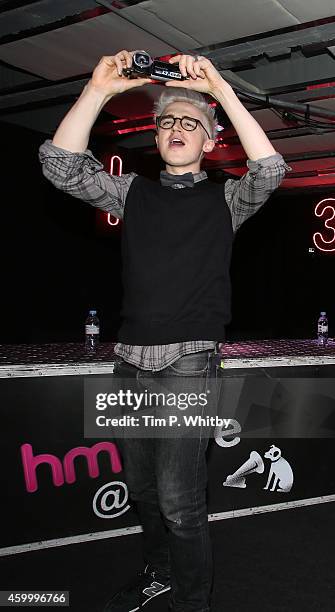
(92, 332)
(323, 329)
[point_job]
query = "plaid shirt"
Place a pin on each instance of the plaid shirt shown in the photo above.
(84, 177)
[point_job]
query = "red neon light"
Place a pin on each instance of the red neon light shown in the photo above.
(318, 239)
(111, 171)
(115, 222)
(326, 172)
(320, 85)
(111, 167)
(137, 129)
(135, 118)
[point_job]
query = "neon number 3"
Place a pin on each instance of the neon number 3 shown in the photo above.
(110, 218)
(321, 209)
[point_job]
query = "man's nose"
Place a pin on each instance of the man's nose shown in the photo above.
(176, 125)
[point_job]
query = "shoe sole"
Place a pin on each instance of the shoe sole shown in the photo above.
(151, 598)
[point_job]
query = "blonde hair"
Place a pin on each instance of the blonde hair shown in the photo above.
(181, 94)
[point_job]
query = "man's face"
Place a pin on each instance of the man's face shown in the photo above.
(186, 154)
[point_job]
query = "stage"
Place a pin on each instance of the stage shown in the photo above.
(64, 497)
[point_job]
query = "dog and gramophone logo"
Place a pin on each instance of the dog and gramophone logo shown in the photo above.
(279, 476)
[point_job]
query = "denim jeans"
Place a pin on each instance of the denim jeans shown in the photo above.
(167, 480)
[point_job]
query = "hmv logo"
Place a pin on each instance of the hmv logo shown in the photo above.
(64, 471)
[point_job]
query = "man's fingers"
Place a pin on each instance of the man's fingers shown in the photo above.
(185, 84)
(107, 59)
(182, 65)
(185, 65)
(112, 60)
(122, 60)
(198, 70)
(175, 59)
(125, 56)
(139, 82)
(190, 66)
(119, 65)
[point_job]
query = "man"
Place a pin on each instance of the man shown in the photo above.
(177, 240)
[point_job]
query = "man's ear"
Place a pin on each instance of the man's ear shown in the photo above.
(208, 146)
(156, 139)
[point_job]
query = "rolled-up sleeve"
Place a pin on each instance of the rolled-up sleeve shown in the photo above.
(246, 195)
(83, 176)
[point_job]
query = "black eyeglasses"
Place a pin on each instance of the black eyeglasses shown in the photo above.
(166, 122)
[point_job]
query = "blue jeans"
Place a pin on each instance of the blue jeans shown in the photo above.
(167, 479)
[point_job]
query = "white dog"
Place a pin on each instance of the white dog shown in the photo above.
(281, 469)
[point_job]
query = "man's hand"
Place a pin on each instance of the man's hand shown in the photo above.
(107, 80)
(107, 77)
(203, 76)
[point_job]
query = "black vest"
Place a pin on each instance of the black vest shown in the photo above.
(176, 249)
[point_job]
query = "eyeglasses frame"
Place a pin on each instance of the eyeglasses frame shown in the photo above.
(180, 119)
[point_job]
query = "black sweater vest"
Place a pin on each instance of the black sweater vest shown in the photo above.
(176, 249)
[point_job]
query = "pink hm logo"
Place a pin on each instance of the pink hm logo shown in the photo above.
(66, 471)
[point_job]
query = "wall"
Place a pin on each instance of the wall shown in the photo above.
(56, 264)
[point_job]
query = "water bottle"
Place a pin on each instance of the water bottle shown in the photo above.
(92, 332)
(322, 329)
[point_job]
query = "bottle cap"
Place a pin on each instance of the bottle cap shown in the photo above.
(93, 312)
(323, 312)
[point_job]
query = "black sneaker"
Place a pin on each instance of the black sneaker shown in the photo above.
(134, 596)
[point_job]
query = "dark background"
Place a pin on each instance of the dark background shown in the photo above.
(59, 258)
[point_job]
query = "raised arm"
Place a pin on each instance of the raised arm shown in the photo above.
(205, 78)
(246, 195)
(267, 167)
(66, 161)
(107, 80)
